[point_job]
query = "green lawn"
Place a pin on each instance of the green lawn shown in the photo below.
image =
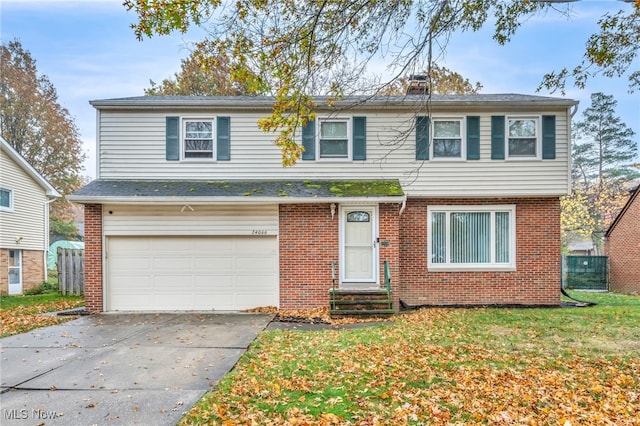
(444, 366)
(20, 314)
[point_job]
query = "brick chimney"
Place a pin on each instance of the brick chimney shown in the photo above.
(417, 85)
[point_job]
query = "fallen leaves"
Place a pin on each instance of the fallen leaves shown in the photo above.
(428, 367)
(20, 319)
(312, 315)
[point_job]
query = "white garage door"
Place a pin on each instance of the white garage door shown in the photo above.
(191, 273)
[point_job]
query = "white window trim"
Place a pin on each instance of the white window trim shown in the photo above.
(463, 137)
(349, 121)
(538, 120)
(11, 207)
(183, 133)
(511, 266)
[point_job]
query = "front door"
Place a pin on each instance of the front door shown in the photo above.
(359, 247)
(15, 271)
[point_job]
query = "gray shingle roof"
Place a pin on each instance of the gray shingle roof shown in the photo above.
(266, 102)
(250, 189)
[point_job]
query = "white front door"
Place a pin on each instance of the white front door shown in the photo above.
(15, 271)
(359, 247)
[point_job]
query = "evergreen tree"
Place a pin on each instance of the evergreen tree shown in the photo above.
(605, 146)
(602, 167)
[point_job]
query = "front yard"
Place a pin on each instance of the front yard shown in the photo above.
(565, 366)
(19, 314)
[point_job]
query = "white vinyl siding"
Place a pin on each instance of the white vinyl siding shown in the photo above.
(132, 146)
(28, 220)
(190, 220)
(471, 237)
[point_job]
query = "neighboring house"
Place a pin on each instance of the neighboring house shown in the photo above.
(192, 209)
(24, 222)
(581, 248)
(622, 245)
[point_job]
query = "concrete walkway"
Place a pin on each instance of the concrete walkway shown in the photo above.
(119, 369)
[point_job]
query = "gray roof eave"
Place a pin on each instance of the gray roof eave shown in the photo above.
(265, 103)
(237, 191)
(233, 200)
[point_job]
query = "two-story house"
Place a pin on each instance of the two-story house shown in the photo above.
(24, 222)
(459, 195)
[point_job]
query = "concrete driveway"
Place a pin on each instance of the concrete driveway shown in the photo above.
(119, 369)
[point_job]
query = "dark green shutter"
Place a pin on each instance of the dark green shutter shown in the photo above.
(473, 138)
(359, 138)
(309, 140)
(548, 137)
(223, 143)
(497, 137)
(172, 143)
(422, 138)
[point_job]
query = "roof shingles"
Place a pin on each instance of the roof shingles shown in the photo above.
(242, 189)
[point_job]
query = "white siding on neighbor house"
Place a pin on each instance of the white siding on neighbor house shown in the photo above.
(132, 146)
(181, 220)
(28, 221)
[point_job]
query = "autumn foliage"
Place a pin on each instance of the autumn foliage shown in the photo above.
(440, 367)
(25, 317)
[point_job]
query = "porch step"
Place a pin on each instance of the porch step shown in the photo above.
(360, 303)
(360, 313)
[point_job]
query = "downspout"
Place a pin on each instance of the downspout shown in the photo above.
(402, 207)
(45, 252)
(571, 112)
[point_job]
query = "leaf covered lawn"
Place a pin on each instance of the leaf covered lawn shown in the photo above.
(19, 314)
(576, 366)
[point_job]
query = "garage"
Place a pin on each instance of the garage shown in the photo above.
(199, 258)
(191, 273)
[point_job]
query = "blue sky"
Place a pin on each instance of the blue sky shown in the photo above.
(88, 51)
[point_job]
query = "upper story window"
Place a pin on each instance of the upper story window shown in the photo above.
(198, 139)
(523, 137)
(6, 199)
(333, 138)
(447, 140)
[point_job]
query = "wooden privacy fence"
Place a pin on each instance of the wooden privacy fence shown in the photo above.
(70, 271)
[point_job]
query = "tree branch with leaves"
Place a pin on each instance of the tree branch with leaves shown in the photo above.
(295, 49)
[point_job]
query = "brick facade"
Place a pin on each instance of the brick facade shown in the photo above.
(536, 280)
(93, 270)
(33, 269)
(623, 249)
(309, 240)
